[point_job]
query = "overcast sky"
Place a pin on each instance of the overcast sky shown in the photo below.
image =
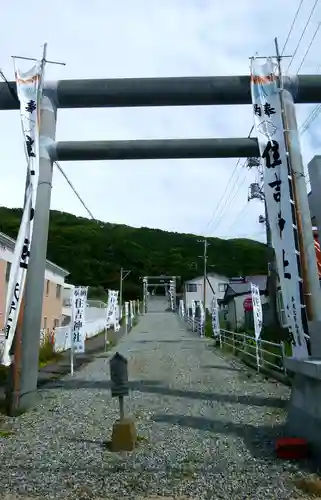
(151, 38)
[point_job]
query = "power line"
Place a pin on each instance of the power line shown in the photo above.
(226, 188)
(292, 26)
(74, 190)
(238, 217)
(302, 34)
(229, 201)
(222, 197)
(309, 47)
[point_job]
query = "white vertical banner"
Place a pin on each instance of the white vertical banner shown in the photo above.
(202, 317)
(116, 315)
(131, 313)
(257, 310)
(79, 302)
(215, 318)
(279, 196)
(172, 293)
(193, 314)
(126, 316)
(181, 309)
(258, 319)
(111, 307)
(29, 90)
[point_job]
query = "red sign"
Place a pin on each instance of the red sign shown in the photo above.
(248, 304)
(318, 252)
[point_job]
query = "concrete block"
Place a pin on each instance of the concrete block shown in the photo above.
(304, 412)
(124, 435)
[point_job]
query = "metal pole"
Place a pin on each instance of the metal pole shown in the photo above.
(121, 407)
(37, 262)
(205, 273)
(205, 270)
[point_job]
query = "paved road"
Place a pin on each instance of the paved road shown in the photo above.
(206, 428)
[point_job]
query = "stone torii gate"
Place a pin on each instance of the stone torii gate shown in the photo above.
(169, 284)
(128, 92)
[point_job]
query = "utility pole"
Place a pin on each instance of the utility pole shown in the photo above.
(256, 191)
(204, 256)
(123, 275)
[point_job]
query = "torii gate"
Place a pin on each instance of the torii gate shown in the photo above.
(168, 282)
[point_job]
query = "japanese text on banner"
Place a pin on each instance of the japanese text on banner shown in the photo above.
(29, 90)
(278, 195)
(78, 318)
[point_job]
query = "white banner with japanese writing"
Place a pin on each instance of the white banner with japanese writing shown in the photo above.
(279, 196)
(182, 308)
(131, 315)
(257, 310)
(193, 309)
(215, 318)
(172, 293)
(29, 90)
(79, 302)
(111, 308)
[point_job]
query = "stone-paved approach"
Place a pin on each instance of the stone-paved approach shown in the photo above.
(206, 428)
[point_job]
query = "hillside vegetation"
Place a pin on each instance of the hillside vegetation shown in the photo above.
(94, 252)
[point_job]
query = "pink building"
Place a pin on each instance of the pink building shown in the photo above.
(53, 286)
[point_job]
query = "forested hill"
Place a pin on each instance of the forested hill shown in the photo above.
(94, 252)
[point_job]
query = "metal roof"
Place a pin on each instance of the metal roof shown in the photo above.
(50, 266)
(243, 288)
(209, 275)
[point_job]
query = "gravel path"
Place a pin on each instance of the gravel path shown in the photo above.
(206, 428)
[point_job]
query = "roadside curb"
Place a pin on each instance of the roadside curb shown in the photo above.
(94, 346)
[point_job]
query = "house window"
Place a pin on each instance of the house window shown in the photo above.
(45, 323)
(191, 287)
(58, 292)
(281, 309)
(47, 287)
(222, 287)
(8, 269)
(56, 323)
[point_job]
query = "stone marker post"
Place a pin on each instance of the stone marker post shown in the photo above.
(124, 432)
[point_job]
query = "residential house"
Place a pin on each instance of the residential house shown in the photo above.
(194, 289)
(67, 293)
(237, 296)
(53, 286)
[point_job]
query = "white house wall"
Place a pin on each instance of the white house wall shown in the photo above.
(198, 295)
(7, 255)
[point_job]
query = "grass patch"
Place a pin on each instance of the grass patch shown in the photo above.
(5, 433)
(141, 439)
(311, 487)
(3, 374)
(47, 353)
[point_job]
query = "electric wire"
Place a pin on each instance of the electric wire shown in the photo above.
(309, 47)
(74, 190)
(302, 34)
(238, 217)
(292, 26)
(218, 206)
(228, 201)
